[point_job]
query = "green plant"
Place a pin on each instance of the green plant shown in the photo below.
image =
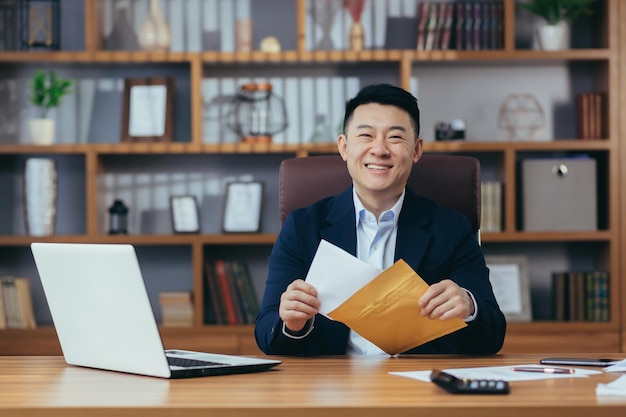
(47, 90)
(554, 11)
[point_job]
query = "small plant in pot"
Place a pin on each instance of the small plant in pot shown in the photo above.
(46, 92)
(558, 14)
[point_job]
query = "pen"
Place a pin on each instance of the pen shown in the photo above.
(544, 370)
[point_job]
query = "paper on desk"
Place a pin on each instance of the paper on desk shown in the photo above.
(377, 307)
(615, 388)
(618, 367)
(505, 373)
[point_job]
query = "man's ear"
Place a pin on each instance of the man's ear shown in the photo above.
(342, 145)
(419, 149)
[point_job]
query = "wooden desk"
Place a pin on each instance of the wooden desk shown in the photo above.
(361, 386)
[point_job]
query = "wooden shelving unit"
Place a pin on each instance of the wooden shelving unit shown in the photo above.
(605, 245)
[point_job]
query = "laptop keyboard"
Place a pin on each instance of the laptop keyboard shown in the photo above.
(190, 363)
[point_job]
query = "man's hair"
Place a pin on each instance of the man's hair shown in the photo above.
(385, 94)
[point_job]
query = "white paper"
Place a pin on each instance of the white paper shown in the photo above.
(618, 367)
(336, 275)
(505, 373)
(615, 388)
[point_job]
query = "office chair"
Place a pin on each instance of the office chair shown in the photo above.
(453, 181)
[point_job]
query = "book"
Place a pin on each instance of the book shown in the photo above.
(431, 27)
(227, 296)
(217, 298)
(422, 20)
(477, 39)
(245, 287)
(469, 26)
(459, 34)
(176, 309)
(17, 303)
(446, 36)
(439, 25)
(559, 301)
(3, 318)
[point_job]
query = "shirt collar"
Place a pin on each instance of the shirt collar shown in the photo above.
(360, 209)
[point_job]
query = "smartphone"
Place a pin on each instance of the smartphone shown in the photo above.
(579, 361)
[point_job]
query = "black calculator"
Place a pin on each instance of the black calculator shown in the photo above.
(468, 386)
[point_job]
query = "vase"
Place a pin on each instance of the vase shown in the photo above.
(40, 196)
(122, 36)
(356, 36)
(323, 13)
(553, 37)
(41, 131)
(154, 34)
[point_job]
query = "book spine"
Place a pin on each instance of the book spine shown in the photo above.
(227, 296)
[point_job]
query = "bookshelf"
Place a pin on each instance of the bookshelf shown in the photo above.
(95, 166)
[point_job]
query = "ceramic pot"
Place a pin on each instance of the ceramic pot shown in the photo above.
(41, 131)
(553, 37)
(154, 34)
(40, 196)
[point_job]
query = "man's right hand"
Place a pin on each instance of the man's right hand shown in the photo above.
(298, 304)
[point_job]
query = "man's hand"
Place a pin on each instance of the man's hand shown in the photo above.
(298, 304)
(445, 300)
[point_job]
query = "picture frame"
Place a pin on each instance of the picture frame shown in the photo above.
(511, 285)
(185, 214)
(148, 109)
(242, 207)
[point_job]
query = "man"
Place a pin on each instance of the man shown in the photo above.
(380, 221)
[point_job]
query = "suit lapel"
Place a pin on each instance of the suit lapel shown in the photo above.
(341, 230)
(413, 237)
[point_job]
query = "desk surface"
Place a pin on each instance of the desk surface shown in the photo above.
(357, 386)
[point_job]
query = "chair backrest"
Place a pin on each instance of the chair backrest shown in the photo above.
(453, 181)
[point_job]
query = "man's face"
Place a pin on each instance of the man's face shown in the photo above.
(380, 146)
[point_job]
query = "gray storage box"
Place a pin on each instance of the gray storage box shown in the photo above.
(559, 194)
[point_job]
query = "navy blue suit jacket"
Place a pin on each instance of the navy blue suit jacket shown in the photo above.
(436, 243)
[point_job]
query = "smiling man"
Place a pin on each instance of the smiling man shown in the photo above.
(379, 220)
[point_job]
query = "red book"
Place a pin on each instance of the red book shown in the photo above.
(227, 296)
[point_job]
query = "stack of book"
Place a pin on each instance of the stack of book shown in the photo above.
(176, 309)
(230, 297)
(491, 206)
(580, 296)
(16, 307)
(591, 115)
(461, 25)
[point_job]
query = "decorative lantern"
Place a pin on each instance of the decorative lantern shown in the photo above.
(257, 114)
(119, 218)
(40, 24)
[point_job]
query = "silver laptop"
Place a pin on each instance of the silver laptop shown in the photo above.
(104, 319)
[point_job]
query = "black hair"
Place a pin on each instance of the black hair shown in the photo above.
(385, 94)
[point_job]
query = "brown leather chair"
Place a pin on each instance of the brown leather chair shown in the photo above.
(453, 181)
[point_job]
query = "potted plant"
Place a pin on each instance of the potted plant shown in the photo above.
(557, 14)
(46, 92)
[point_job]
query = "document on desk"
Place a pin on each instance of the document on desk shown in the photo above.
(375, 303)
(505, 373)
(618, 367)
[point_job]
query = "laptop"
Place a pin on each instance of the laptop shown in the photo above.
(104, 320)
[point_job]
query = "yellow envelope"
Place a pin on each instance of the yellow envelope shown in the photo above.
(385, 311)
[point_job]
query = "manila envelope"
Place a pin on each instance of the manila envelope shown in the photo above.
(385, 311)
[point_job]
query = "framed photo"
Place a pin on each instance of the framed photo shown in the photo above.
(511, 286)
(242, 207)
(147, 110)
(185, 215)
